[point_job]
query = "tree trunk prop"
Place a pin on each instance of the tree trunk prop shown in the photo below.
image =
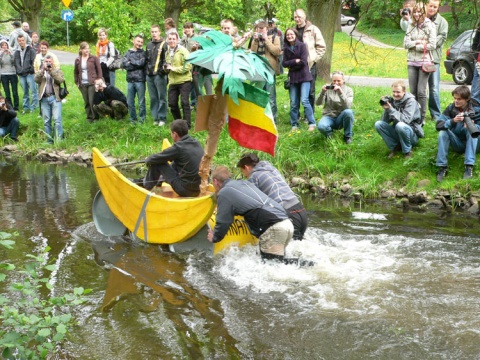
(216, 120)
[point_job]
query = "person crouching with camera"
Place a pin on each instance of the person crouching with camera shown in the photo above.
(337, 100)
(49, 79)
(400, 126)
(458, 126)
(9, 122)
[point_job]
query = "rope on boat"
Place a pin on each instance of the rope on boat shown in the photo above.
(143, 217)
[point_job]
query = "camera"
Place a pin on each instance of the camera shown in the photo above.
(260, 36)
(2, 104)
(405, 12)
(470, 124)
(329, 87)
(49, 66)
(386, 99)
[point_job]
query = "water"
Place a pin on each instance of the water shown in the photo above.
(388, 282)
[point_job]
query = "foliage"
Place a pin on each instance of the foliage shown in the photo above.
(33, 327)
(380, 13)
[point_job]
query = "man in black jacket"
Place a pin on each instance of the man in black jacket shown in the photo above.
(24, 59)
(156, 76)
(9, 122)
(134, 62)
(109, 100)
(185, 156)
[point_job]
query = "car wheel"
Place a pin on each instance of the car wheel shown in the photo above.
(462, 74)
(350, 22)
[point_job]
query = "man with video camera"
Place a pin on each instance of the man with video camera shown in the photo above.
(49, 78)
(400, 126)
(458, 125)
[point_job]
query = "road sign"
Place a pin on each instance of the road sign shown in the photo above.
(66, 2)
(67, 15)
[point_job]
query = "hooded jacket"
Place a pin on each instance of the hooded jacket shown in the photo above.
(153, 50)
(405, 110)
(7, 61)
(269, 180)
(14, 36)
(29, 58)
(181, 70)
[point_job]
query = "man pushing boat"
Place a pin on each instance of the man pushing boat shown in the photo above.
(182, 173)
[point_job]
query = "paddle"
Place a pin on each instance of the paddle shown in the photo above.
(105, 221)
(122, 164)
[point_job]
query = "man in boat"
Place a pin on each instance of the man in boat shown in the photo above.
(185, 156)
(265, 218)
(269, 180)
(109, 100)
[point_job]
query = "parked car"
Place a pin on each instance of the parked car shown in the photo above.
(347, 20)
(460, 60)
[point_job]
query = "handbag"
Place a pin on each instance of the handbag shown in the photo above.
(286, 84)
(428, 67)
(63, 91)
(117, 62)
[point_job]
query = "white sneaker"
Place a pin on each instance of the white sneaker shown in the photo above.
(155, 123)
(161, 123)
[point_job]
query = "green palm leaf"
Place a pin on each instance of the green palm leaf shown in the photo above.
(235, 65)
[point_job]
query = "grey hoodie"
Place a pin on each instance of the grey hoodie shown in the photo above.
(13, 39)
(7, 62)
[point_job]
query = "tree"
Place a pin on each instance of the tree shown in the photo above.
(29, 11)
(324, 14)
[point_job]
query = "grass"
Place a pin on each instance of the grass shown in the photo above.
(363, 164)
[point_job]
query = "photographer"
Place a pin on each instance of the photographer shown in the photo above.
(109, 100)
(458, 125)
(337, 100)
(9, 122)
(268, 46)
(405, 14)
(400, 126)
(49, 78)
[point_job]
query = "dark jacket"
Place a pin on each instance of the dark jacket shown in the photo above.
(94, 70)
(240, 197)
(405, 110)
(298, 72)
(109, 94)
(446, 118)
(135, 64)
(185, 155)
(476, 40)
(7, 116)
(27, 67)
(152, 53)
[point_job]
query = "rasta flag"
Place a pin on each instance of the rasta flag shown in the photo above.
(250, 122)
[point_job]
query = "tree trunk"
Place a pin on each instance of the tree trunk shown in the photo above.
(324, 14)
(30, 12)
(216, 120)
(173, 9)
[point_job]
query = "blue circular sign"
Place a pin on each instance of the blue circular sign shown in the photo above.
(67, 15)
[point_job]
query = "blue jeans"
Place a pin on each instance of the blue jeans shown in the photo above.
(461, 143)
(11, 128)
(157, 89)
(344, 121)
(28, 85)
(475, 85)
(400, 134)
(299, 93)
(52, 110)
(112, 76)
(434, 93)
(136, 88)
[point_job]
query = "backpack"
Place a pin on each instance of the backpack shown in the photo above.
(118, 59)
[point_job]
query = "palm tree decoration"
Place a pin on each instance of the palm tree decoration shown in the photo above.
(234, 66)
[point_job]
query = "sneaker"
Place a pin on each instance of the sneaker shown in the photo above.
(442, 172)
(408, 155)
(155, 123)
(311, 128)
(294, 128)
(348, 140)
(161, 123)
(468, 174)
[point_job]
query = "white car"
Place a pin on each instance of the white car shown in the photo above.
(347, 20)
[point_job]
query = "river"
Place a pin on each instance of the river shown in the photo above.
(389, 282)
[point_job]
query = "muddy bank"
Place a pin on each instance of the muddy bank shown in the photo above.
(420, 199)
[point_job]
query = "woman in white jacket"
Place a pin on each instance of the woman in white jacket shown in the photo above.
(420, 39)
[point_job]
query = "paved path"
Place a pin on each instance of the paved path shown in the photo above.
(377, 82)
(64, 57)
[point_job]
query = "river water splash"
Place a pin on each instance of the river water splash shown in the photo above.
(387, 283)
